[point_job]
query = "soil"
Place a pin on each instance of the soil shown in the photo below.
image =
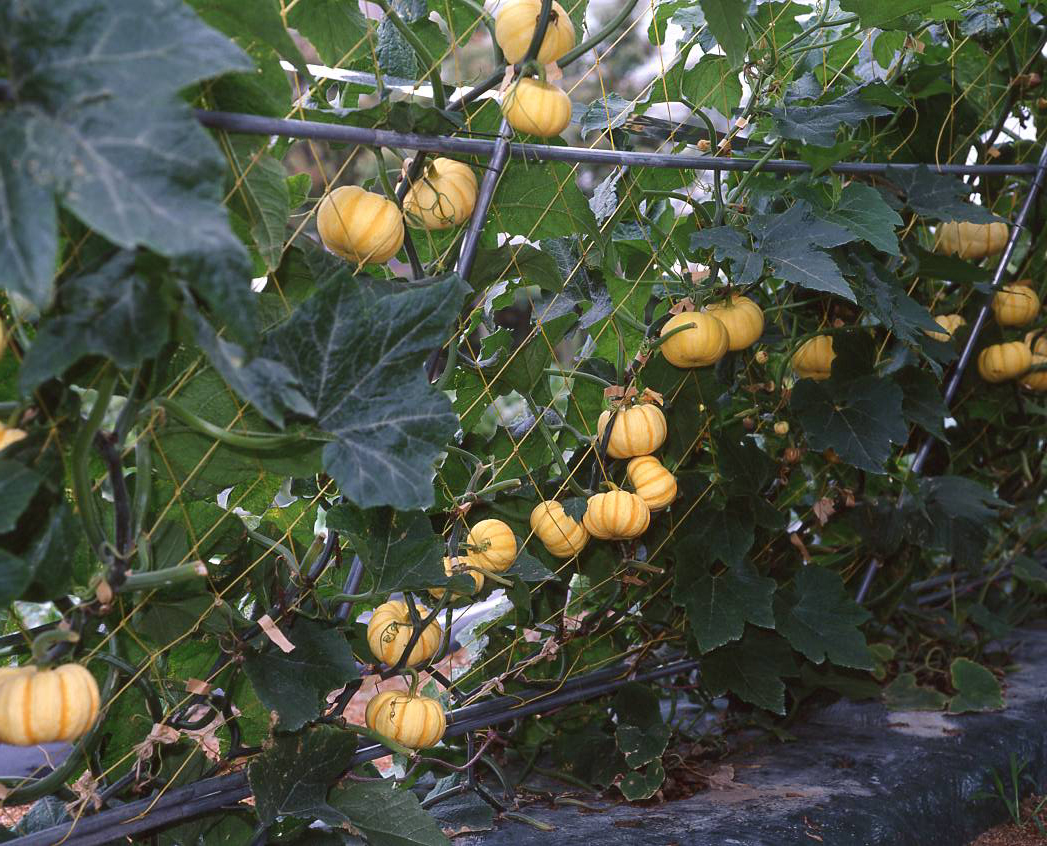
(1009, 834)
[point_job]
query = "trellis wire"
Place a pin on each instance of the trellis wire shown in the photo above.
(967, 354)
(209, 795)
(247, 124)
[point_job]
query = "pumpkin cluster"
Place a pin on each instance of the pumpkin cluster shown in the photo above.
(701, 338)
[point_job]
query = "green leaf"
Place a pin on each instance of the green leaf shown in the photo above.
(18, 485)
(607, 112)
(637, 786)
(904, 694)
(822, 620)
(791, 242)
(641, 733)
(113, 141)
(742, 463)
(399, 550)
(15, 575)
(817, 125)
(954, 514)
(859, 419)
(510, 261)
(718, 607)
(528, 568)
(922, 401)
(724, 19)
(863, 212)
(752, 669)
(875, 13)
(939, 196)
(385, 814)
(357, 348)
(708, 84)
(283, 786)
(720, 534)
(977, 689)
(294, 684)
(334, 28)
(114, 313)
(260, 195)
(884, 295)
(539, 201)
(28, 223)
(258, 21)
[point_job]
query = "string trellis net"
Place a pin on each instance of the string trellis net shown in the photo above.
(208, 486)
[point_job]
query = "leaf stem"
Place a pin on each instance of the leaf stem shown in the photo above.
(240, 440)
(83, 489)
(380, 739)
(557, 454)
(421, 51)
(168, 577)
(577, 374)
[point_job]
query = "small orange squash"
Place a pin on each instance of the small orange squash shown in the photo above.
(638, 430)
(412, 720)
(460, 566)
(616, 515)
(949, 323)
(1037, 341)
(494, 546)
(537, 108)
(655, 485)
(1015, 305)
(703, 344)
(444, 196)
(563, 536)
(970, 240)
(814, 358)
(742, 318)
(42, 706)
(390, 628)
(360, 226)
(10, 435)
(1036, 380)
(514, 27)
(1003, 362)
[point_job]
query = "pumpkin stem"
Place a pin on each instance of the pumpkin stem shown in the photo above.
(44, 641)
(494, 577)
(413, 689)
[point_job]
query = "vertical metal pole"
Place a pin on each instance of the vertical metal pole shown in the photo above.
(953, 385)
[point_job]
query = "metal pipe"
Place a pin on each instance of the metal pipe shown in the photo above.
(256, 125)
(953, 385)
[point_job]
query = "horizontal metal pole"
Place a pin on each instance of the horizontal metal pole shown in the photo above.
(211, 794)
(255, 125)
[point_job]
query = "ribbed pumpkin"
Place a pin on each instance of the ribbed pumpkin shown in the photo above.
(442, 197)
(742, 318)
(1003, 362)
(950, 323)
(970, 240)
(655, 485)
(638, 430)
(390, 628)
(1015, 305)
(703, 344)
(360, 226)
(1037, 341)
(1036, 380)
(494, 545)
(514, 27)
(416, 721)
(537, 108)
(450, 569)
(616, 515)
(42, 706)
(814, 358)
(562, 535)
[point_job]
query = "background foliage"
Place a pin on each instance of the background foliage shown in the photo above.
(176, 413)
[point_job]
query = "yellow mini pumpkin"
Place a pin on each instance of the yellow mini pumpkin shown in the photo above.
(443, 196)
(638, 430)
(562, 535)
(1036, 380)
(950, 323)
(10, 436)
(970, 240)
(742, 318)
(514, 28)
(390, 628)
(360, 226)
(703, 344)
(814, 358)
(453, 568)
(616, 515)
(414, 721)
(1037, 341)
(42, 706)
(1015, 305)
(537, 108)
(655, 485)
(1003, 362)
(494, 546)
